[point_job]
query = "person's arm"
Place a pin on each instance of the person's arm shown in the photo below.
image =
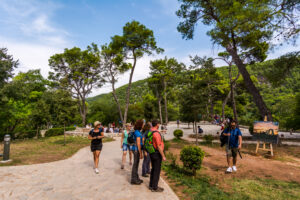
(122, 138)
(90, 137)
(226, 132)
(138, 143)
(240, 139)
(102, 135)
(161, 151)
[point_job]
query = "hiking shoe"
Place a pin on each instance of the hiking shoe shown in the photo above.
(159, 189)
(234, 168)
(229, 170)
(145, 175)
(96, 170)
(136, 182)
(122, 166)
(141, 180)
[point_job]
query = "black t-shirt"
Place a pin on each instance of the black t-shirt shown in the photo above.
(95, 134)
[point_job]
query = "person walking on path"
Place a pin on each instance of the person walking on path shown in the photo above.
(96, 136)
(125, 146)
(233, 146)
(146, 161)
(156, 158)
(137, 152)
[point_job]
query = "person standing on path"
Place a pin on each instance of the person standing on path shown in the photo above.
(156, 158)
(146, 161)
(125, 146)
(96, 136)
(137, 152)
(233, 146)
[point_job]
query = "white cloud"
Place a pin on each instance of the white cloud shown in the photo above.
(30, 56)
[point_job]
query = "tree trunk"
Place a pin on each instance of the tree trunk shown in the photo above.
(196, 133)
(224, 104)
(128, 91)
(166, 103)
(37, 132)
(234, 106)
(117, 101)
(64, 134)
(257, 98)
(159, 104)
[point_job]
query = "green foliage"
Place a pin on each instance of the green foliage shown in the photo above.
(178, 133)
(57, 131)
(26, 134)
(192, 157)
(78, 71)
(173, 159)
(208, 139)
(201, 187)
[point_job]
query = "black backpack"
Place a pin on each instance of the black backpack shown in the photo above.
(223, 139)
(131, 138)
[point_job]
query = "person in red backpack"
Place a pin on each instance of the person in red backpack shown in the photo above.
(156, 158)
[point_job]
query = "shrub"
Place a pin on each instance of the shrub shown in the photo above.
(208, 139)
(192, 157)
(26, 134)
(57, 131)
(173, 159)
(178, 133)
(167, 145)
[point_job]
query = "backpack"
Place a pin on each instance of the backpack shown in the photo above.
(131, 138)
(148, 143)
(223, 139)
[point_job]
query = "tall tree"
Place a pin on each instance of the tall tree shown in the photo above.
(135, 41)
(165, 71)
(113, 64)
(242, 28)
(78, 71)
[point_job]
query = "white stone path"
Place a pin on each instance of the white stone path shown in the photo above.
(74, 178)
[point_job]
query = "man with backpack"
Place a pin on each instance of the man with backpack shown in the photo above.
(234, 144)
(154, 145)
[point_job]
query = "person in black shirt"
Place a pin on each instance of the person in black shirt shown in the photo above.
(96, 136)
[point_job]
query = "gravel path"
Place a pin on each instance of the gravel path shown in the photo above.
(74, 178)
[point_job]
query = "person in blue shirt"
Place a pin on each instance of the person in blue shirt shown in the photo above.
(234, 144)
(137, 152)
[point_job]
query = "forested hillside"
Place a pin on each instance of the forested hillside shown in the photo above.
(279, 92)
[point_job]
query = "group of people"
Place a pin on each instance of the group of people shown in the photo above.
(138, 132)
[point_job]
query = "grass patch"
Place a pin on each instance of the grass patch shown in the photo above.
(200, 187)
(33, 151)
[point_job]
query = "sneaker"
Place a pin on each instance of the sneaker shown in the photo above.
(145, 175)
(96, 170)
(141, 180)
(159, 189)
(229, 170)
(234, 168)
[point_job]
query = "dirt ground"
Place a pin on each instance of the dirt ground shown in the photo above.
(250, 167)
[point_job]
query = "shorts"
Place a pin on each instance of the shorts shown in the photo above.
(231, 151)
(127, 147)
(97, 147)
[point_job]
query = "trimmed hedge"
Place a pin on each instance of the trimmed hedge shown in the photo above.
(208, 139)
(178, 133)
(57, 131)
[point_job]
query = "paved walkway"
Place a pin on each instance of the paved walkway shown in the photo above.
(74, 178)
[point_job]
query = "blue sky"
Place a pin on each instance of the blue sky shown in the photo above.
(34, 30)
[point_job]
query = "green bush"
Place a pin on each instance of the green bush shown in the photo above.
(57, 131)
(173, 158)
(26, 134)
(178, 133)
(208, 139)
(192, 157)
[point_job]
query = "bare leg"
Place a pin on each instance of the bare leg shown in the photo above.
(234, 161)
(229, 161)
(97, 155)
(124, 157)
(130, 157)
(94, 154)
